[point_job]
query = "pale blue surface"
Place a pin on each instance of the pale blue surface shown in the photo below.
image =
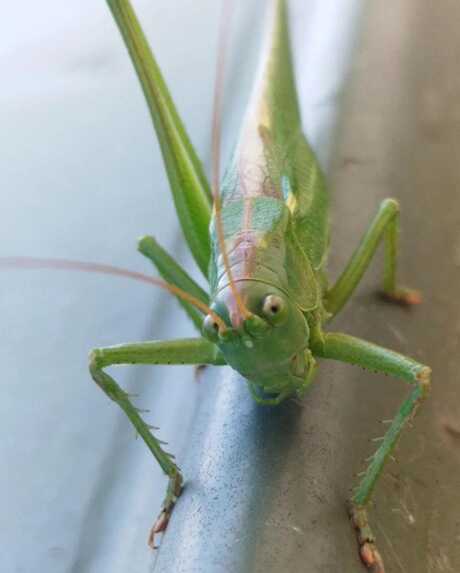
(81, 177)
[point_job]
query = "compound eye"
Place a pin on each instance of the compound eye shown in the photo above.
(211, 328)
(274, 309)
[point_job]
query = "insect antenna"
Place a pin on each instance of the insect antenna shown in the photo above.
(31, 263)
(215, 149)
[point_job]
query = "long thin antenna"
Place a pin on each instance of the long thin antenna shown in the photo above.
(216, 138)
(31, 263)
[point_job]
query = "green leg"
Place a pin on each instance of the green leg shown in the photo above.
(185, 351)
(384, 226)
(365, 354)
(189, 186)
(174, 274)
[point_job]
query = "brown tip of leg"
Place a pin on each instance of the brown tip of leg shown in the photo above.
(403, 297)
(160, 525)
(199, 372)
(371, 558)
(413, 297)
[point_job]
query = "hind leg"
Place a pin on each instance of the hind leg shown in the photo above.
(385, 226)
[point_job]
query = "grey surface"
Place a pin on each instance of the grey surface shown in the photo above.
(81, 178)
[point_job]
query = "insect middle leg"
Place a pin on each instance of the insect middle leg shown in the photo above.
(185, 351)
(384, 226)
(362, 353)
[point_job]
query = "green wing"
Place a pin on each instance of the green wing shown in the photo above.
(292, 162)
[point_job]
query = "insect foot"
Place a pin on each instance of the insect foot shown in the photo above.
(161, 523)
(403, 296)
(368, 551)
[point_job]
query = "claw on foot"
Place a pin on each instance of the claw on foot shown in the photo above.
(161, 523)
(371, 558)
(199, 372)
(403, 297)
(368, 551)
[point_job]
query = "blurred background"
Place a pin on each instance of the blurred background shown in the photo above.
(81, 178)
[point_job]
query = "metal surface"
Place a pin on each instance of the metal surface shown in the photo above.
(81, 178)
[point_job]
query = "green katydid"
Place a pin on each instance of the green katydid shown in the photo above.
(262, 242)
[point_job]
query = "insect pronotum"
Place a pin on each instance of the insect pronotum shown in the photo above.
(261, 242)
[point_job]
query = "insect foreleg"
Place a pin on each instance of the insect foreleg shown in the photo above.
(384, 226)
(362, 353)
(186, 351)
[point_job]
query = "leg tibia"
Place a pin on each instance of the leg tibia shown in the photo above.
(384, 226)
(188, 351)
(406, 413)
(115, 393)
(174, 274)
(362, 353)
(353, 350)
